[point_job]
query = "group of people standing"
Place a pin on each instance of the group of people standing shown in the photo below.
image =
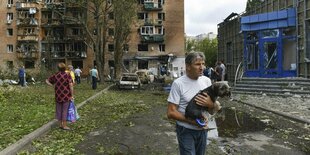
(218, 73)
(76, 75)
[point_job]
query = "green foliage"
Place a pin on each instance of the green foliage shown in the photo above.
(23, 110)
(125, 12)
(8, 73)
(190, 45)
(207, 46)
(43, 74)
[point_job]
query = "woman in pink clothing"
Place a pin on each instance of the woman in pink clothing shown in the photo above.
(63, 85)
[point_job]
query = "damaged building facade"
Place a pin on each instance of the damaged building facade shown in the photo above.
(36, 35)
(269, 40)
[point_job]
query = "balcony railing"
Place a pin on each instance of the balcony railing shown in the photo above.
(67, 54)
(26, 5)
(27, 21)
(28, 54)
(153, 22)
(152, 6)
(154, 38)
(27, 38)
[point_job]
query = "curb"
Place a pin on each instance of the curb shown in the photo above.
(20, 144)
(294, 118)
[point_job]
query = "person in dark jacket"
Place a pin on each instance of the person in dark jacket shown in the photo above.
(22, 76)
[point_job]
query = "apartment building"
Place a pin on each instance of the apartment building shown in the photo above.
(36, 34)
(158, 40)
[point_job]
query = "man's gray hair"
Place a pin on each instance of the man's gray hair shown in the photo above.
(193, 56)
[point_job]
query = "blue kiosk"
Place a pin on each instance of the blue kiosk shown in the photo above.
(270, 46)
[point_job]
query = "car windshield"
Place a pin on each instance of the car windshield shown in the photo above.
(129, 78)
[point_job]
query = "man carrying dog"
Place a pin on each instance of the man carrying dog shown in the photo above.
(191, 137)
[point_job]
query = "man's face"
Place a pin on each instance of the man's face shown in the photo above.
(196, 68)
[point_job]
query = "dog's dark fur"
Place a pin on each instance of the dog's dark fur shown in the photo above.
(218, 89)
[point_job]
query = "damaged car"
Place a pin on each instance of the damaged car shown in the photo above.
(129, 81)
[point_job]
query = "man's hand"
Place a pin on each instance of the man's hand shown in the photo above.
(204, 100)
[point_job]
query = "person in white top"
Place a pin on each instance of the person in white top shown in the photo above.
(223, 70)
(78, 72)
(191, 137)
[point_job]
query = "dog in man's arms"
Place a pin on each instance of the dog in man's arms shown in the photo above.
(216, 90)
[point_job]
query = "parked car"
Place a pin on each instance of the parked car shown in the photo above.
(129, 81)
(145, 76)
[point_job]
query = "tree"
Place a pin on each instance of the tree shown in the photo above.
(97, 30)
(207, 46)
(189, 45)
(252, 4)
(95, 24)
(125, 13)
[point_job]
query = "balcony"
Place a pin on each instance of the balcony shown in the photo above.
(9, 6)
(27, 38)
(76, 54)
(154, 38)
(26, 5)
(27, 22)
(28, 55)
(9, 22)
(67, 54)
(150, 22)
(152, 6)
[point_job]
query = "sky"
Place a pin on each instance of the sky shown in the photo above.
(202, 16)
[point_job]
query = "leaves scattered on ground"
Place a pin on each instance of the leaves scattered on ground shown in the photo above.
(112, 106)
(24, 109)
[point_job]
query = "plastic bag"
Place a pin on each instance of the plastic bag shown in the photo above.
(72, 115)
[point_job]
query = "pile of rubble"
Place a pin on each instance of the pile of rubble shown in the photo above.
(295, 106)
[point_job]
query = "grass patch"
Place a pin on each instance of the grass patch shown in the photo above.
(109, 107)
(23, 110)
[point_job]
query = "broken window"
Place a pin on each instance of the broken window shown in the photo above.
(252, 56)
(111, 47)
(9, 48)
(270, 55)
(111, 31)
(161, 16)
(77, 63)
(143, 47)
(142, 64)
(9, 64)
(146, 30)
(10, 32)
(162, 47)
(270, 33)
(126, 47)
(9, 17)
(111, 15)
(29, 64)
(142, 15)
(10, 2)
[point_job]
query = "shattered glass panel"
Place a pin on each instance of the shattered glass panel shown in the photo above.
(270, 55)
(270, 33)
(252, 56)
